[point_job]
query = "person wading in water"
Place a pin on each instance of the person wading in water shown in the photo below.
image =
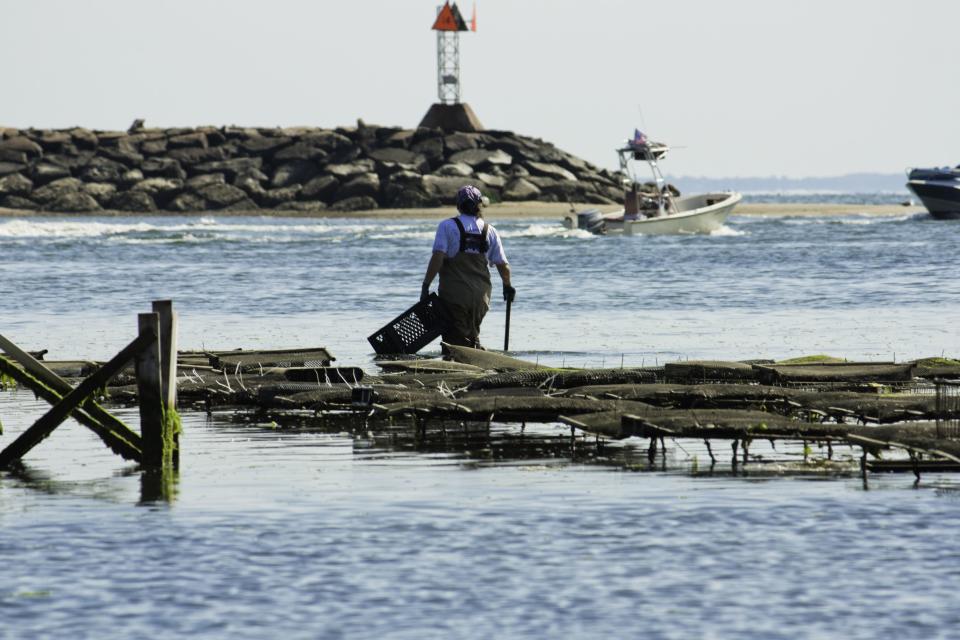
(462, 250)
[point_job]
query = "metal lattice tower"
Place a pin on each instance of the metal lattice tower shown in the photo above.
(448, 67)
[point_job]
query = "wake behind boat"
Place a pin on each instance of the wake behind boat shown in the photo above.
(655, 208)
(938, 190)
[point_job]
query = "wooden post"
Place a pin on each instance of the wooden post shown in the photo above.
(168, 351)
(168, 375)
(156, 451)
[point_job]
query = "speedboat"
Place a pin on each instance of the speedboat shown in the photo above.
(654, 208)
(938, 190)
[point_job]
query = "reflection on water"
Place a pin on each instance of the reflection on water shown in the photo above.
(332, 529)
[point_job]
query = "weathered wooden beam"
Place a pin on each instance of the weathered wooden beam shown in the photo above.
(59, 412)
(103, 422)
(157, 451)
(168, 376)
(873, 442)
(168, 351)
(119, 443)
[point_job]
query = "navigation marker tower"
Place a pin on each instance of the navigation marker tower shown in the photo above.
(449, 113)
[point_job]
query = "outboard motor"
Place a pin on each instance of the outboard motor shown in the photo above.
(591, 220)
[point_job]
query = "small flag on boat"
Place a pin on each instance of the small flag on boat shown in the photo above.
(473, 18)
(639, 140)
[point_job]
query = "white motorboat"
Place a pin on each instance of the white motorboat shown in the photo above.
(659, 210)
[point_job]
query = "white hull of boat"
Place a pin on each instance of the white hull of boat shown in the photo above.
(688, 215)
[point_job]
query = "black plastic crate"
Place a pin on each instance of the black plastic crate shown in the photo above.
(413, 329)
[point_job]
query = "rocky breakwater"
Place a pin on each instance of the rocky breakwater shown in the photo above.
(292, 169)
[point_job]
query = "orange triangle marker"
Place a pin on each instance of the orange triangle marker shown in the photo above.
(446, 20)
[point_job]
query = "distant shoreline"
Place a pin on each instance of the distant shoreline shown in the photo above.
(506, 210)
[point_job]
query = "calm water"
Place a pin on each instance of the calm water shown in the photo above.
(306, 534)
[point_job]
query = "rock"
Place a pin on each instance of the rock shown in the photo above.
(401, 156)
(460, 142)
(430, 148)
(407, 178)
(163, 167)
(51, 192)
(366, 184)
(562, 189)
(108, 138)
(154, 147)
(12, 156)
(443, 188)
(102, 192)
(327, 140)
(520, 189)
(308, 206)
(519, 148)
(575, 164)
(274, 197)
(72, 163)
(74, 201)
(320, 188)
(21, 145)
(403, 138)
(357, 203)
(219, 196)
(46, 172)
(160, 189)
(231, 168)
(251, 184)
(18, 202)
(84, 138)
(491, 180)
(461, 169)
(241, 205)
(187, 202)
(401, 196)
(136, 201)
(130, 178)
(100, 169)
(550, 171)
(204, 179)
(6, 168)
(215, 136)
(15, 184)
(125, 156)
(55, 140)
(263, 145)
(240, 133)
(296, 172)
(196, 155)
(300, 151)
(350, 169)
(187, 140)
(481, 157)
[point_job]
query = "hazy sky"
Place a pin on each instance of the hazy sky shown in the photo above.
(743, 87)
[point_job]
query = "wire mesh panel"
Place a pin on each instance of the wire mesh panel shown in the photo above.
(253, 360)
(413, 329)
(948, 409)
